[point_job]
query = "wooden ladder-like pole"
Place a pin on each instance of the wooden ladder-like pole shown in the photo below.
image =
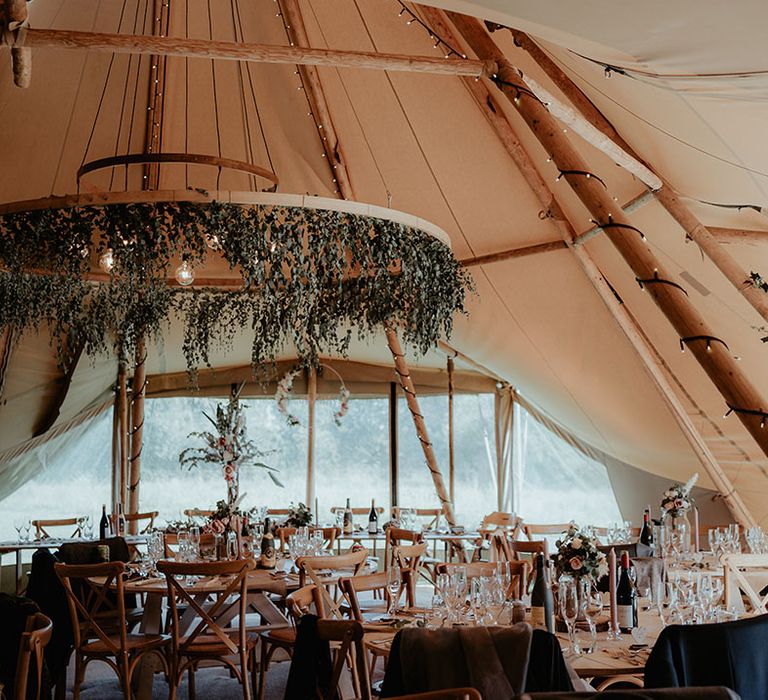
(710, 351)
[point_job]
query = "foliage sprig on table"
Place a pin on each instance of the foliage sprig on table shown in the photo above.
(578, 555)
(310, 278)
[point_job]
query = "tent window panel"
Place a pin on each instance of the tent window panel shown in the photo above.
(560, 483)
(352, 459)
(73, 478)
(475, 485)
(169, 488)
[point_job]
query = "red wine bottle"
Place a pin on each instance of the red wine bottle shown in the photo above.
(646, 534)
(542, 601)
(104, 529)
(626, 597)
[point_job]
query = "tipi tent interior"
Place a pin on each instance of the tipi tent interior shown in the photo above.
(599, 173)
(556, 313)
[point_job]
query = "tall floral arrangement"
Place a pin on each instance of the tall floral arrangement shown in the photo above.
(229, 447)
(578, 555)
(677, 498)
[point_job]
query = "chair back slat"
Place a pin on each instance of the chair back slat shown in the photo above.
(149, 516)
(35, 638)
(310, 566)
(396, 536)
(531, 548)
(351, 586)
(96, 583)
(41, 524)
(302, 601)
(747, 574)
(235, 574)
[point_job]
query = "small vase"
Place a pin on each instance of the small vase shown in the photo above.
(676, 521)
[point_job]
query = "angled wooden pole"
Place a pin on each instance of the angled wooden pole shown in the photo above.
(666, 196)
(15, 17)
(738, 235)
(122, 415)
(451, 434)
(714, 357)
(318, 104)
(138, 394)
(311, 401)
(487, 103)
(519, 252)
(98, 42)
(404, 375)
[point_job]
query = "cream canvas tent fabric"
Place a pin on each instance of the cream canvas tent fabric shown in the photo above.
(691, 102)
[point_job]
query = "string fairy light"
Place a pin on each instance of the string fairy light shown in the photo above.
(440, 43)
(329, 154)
(760, 413)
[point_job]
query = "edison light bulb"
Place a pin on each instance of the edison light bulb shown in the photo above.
(184, 274)
(107, 260)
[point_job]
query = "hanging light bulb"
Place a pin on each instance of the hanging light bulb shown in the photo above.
(107, 260)
(184, 274)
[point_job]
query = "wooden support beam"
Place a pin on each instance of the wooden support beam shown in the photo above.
(318, 104)
(451, 464)
(64, 382)
(258, 53)
(393, 500)
(403, 373)
(15, 17)
(138, 394)
(693, 228)
(311, 401)
(719, 364)
(122, 431)
(738, 235)
(7, 341)
(520, 252)
(504, 130)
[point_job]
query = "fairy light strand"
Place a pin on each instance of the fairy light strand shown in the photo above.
(439, 43)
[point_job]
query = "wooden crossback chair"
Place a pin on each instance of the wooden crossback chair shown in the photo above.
(41, 532)
(35, 638)
(448, 694)
(376, 583)
(745, 577)
(498, 520)
(348, 634)
(308, 599)
(309, 568)
(208, 639)
(409, 558)
(531, 529)
(195, 513)
(433, 513)
(329, 535)
(139, 517)
(90, 608)
(529, 549)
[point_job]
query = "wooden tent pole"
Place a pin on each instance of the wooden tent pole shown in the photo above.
(404, 375)
(666, 196)
(713, 356)
(318, 104)
(138, 394)
(122, 428)
(15, 16)
(646, 353)
(738, 235)
(451, 464)
(311, 400)
(97, 42)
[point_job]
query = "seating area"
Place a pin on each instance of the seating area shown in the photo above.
(359, 349)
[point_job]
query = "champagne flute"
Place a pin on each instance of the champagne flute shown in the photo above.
(592, 605)
(568, 596)
(393, 587)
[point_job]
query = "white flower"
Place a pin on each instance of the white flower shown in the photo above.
(576, 544)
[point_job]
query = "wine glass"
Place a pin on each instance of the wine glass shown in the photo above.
(194, 541)
(568, 597)
(592, 605)
(18, 525)
(89, 527)
(393, 587)
(27, 528)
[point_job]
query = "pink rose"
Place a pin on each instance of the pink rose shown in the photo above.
(679, 503)
(217, 527)
(575, 563)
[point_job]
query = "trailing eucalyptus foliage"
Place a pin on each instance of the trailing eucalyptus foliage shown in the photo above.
(308, 276)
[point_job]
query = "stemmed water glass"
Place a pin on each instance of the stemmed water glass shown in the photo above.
(27, 528)
(568, 598)
(591, 600)
(194, 541)
(393, 587)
